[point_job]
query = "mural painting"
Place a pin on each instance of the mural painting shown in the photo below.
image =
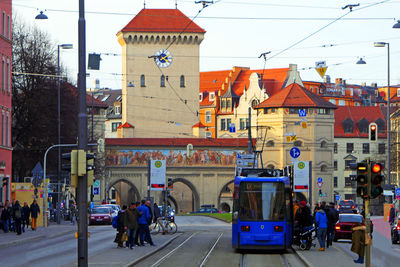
(174, 158)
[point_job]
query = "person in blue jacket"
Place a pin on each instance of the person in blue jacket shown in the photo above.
(144, 222)
(321, 221)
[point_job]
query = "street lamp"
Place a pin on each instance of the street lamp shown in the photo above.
(361, 61)
(62, 46)
(383, 44)
(397, 25)
(41, 16)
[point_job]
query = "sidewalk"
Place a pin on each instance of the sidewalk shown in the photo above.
(114, 256)
(53, 230)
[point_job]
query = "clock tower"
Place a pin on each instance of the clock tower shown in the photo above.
(160, 74)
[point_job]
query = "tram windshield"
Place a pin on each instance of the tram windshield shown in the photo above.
(262, 201)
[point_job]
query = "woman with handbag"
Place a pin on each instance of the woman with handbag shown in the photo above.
(358, 242)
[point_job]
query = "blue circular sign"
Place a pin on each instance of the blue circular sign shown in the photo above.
(295, 152)
(319, 179)
(397, 192)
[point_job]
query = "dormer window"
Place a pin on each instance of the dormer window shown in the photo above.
(228, 103)
(222, 103)
(201, 96)
(212, 96)
(347, 126)
(254, 102)
(117, 110)
(381, 125)
(363, 126)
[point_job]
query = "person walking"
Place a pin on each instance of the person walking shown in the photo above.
(131, 223)
(17, 216)
(158, 218)
(358, 241)
(120, 227)
(5, 217)
(137, 230)
(392, 214)
(73, 213)
(333, 217)
(35, 210)
(144, 221)
(25, 221)
(321, 221)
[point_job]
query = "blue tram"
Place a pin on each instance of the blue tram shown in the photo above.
(262, 210)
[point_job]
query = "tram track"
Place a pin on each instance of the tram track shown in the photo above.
(244, 259)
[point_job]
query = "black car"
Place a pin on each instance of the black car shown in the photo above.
(206, 210)
(395, 231)
(347, 206)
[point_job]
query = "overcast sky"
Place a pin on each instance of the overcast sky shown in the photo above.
(238, 31)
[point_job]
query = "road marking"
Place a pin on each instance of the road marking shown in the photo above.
(208, 254)
(172, 251)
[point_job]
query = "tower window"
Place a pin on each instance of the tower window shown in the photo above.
(162, 81)
(182, 81)
(142, 81)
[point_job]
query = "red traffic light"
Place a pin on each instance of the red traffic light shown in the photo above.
(376, 168)
(373, 127)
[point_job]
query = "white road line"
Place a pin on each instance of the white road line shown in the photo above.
(205, 259)
(172, 251)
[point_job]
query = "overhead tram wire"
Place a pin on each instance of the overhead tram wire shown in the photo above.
(327, 25)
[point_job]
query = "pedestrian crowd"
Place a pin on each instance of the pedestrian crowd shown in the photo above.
(132, 224)
(15, 218)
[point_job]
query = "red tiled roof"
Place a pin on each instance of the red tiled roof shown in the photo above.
(168, 142)
(198, 125)
(356, 114)
(206, 102)
(125, 125)
(161, 20)
(295, 96)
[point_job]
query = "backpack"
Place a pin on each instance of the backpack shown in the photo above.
(115, 222)
(18, 214)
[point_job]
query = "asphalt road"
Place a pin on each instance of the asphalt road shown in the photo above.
(57, 251)
(207, 242)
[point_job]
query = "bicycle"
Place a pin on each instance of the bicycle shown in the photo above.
(170, 227)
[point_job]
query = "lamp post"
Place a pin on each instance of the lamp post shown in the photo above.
(383, 44)
(62, 46)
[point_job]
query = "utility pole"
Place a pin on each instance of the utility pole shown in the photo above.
(82, 140)
(249, 142)
(367, 217)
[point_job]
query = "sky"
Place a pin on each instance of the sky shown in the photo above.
(300, 32)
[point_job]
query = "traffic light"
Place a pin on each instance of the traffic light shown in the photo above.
(5, 181)
(376, 180)
(90, 168)
(373, 132)
(362, 179)
(72, 167)
(320, 193)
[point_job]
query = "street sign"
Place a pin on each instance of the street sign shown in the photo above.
(96, 183)
(320, 184)
(397, 193)
(319, 180)
(157, 175)
(295, 152)
(96, 191)
(337, 197)
(302, 113)
(321, 68)
(301, 176)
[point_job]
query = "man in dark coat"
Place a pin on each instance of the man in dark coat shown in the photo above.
(35, 210)
(131, 223)
(5, 217)
(17, 216)
(121, 226)
(333, 217)
(392, 214)
(27, 211)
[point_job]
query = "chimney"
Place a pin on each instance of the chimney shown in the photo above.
(327, 79)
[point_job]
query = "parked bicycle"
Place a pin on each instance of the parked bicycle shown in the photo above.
(169, 226)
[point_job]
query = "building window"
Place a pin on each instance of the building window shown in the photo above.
(228, 103)
(363, 126)
(4, 23)
(335, 181)
(201, 97)
(298, 143)
(228, 123)
(381, 148)
(266, 111)
(347, 182)
(349, 148)
(212, 96)
(3, 128)
(223, 125)
(8, 27)
(8, 130)
(365, 148)
(208, 134)
(293, 111)
(244, 124)
(335, 165)
(324, 144)
(142, 81)
(324, 168)
(117, 110)
(254, 102)
(323, 111)
(347, 125)
(270, 143)
(208, 116)
(348, 163)
(222, 104)
(115, 125)
(182, 81)
(3, 74)
(342, 103)
(8, 76)
(335, 148)
(381, 125)
(162, 81)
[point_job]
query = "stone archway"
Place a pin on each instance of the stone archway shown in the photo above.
(186, 192)
(225, 200)
(126, 191)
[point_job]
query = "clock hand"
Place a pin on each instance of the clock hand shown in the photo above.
(165, 58)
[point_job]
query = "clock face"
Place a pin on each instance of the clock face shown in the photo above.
(163, 58)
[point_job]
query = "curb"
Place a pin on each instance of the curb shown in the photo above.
(219, 219)
(132, 263)
(15, 242)
(302, 258)
(61, 233)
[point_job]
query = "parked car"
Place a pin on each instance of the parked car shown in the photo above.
(343, 228)
(395, 231)
(101, 215)
(206, 210)
(115, 208)
(347, 206)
